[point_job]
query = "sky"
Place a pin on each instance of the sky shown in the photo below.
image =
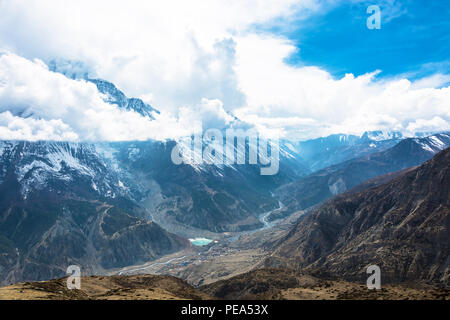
(413, 41)
(299, 69)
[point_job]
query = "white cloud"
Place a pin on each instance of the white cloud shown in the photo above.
(191, 59)
(18, 128)
(431, 125)
(178, 51)
(275, 90)
(210, 112)
(434, 81)
(37, 104)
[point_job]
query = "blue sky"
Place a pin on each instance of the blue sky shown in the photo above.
(414, 39)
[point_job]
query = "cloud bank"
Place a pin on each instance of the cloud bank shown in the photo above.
(37, 104)
(310, 99)
(194, 61)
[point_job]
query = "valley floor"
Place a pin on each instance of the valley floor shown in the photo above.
(231, 255)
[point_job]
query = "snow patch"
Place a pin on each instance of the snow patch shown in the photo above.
(437, 143)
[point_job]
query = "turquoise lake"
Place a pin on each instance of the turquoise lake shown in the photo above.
(200, 241)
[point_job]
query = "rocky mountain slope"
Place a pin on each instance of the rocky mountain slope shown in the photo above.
(216, 198)
(63, 204)
(402, 226)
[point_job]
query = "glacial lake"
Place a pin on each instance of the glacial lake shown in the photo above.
(200, 241)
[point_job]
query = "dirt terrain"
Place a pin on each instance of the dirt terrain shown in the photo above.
(285, 284)
(271, 284)
(138, 287)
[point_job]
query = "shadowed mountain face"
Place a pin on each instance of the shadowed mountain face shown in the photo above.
(61, 204)
(209, 197)
(324, 184)
(402, 226)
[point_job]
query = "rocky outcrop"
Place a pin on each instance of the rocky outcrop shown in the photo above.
(402, 226)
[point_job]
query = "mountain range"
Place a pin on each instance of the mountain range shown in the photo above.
(331, 181)
(402, 226)
(109, 205)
